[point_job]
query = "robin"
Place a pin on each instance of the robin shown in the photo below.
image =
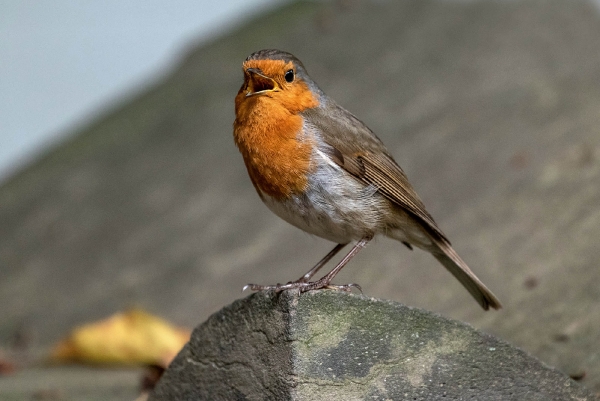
(318, 167)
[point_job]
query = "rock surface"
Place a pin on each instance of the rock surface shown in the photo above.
(491, 108)
(338, 346)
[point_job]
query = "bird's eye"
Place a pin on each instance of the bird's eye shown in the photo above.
(289, 76)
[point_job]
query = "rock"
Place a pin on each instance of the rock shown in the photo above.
(339, 346)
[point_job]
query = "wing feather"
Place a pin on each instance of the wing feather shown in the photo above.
(383, 172)
(354, 147)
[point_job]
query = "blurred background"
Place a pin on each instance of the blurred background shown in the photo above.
(63, 64)
(120, 185)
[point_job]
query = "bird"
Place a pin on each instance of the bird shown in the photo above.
(318, 167)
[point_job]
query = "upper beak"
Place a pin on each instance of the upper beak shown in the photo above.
(260, 83)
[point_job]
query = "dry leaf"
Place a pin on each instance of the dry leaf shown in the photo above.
(131, 338)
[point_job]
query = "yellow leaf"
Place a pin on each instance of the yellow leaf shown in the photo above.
(132, 338)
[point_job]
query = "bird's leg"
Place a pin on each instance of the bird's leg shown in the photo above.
(325, 281)
(301, 280)
(303, 285)
(306, 278)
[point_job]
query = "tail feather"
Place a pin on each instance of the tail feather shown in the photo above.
(448, 257)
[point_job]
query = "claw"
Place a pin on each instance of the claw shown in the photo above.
(302, 286)
(346, 287)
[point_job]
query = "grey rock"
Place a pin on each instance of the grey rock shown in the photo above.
(338, 346)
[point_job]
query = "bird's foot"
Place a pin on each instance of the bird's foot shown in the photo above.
(345, 287)
(302, 286)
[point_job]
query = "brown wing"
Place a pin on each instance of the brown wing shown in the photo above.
(354, 147)
(358, 150)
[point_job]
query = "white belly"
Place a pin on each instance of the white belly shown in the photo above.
(337, 207)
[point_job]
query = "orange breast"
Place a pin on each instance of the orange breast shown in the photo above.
(275, 152)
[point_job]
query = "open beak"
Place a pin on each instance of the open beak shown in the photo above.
(259, 83)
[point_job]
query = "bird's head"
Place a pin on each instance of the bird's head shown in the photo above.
(279, 76)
